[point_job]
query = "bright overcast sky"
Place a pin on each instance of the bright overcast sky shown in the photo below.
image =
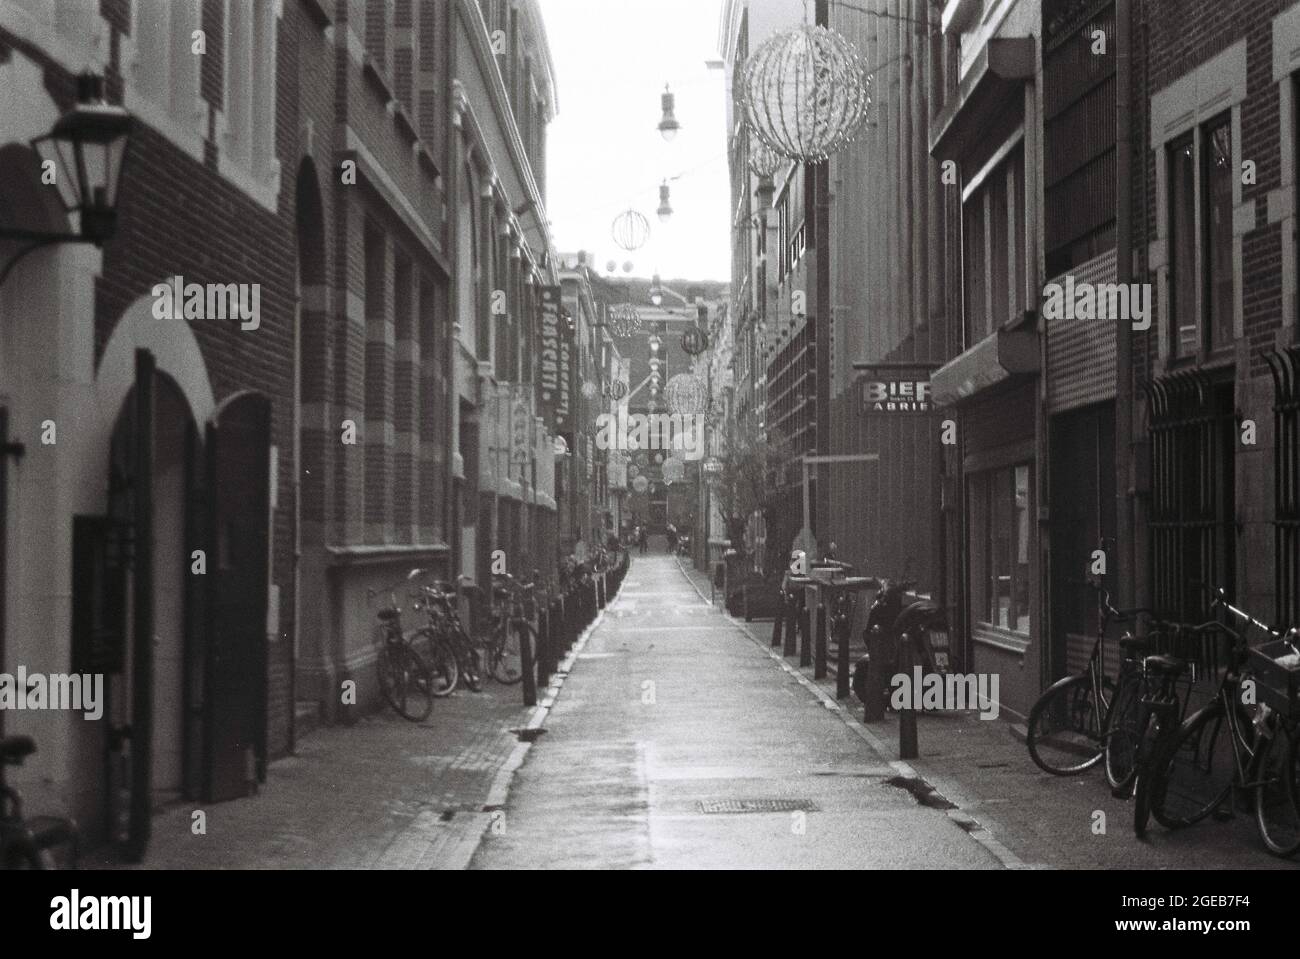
(612, 59)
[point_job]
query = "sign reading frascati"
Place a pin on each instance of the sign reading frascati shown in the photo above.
(896, 393)
(549, 361)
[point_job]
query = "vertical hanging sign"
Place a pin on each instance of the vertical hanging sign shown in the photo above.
(549, 362)
(564, 390)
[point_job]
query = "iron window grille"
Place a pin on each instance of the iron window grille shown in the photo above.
(1193, 522)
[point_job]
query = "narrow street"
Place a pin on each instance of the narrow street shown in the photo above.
(670, 706)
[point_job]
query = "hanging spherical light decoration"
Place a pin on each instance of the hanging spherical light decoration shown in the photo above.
(628, 266)
(763, 160)
(686, 394)
(624, 320)
(806, 93)
(630, 230)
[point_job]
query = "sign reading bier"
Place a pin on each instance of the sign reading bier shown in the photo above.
(895, 394)
(549, 361)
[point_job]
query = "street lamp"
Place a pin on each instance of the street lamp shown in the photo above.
(656, 291)
(665, 208)
(87, 149)
(668, 125)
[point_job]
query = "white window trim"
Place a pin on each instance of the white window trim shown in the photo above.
(1282, 201)
(258, 175)
(183, 120)
(71, 32)
(1192, 100)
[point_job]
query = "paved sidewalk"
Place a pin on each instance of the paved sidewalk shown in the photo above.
(382, 794)
(1045, 821)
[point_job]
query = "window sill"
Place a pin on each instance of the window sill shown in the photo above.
(998, 638)
(378, 82)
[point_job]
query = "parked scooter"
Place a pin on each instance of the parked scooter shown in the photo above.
(921, 626)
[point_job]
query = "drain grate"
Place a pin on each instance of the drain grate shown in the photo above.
(756, 805)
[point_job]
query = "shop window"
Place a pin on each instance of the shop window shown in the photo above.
(1001, 548)
(1182, 245)
(1204, 320)
(993, 254)
(1217, 215)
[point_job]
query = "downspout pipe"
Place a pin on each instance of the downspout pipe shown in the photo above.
(1126, 551)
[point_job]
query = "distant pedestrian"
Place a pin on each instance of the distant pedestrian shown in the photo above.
(672, 539)
(642, 539)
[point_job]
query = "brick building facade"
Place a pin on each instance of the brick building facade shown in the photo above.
(201, 504)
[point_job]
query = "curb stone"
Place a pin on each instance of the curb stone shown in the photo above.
(499, 794)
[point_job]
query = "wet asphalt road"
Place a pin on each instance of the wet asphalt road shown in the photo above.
(669, 709)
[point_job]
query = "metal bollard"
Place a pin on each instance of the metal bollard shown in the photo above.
(792, 616)
(819, 654)
(527, 664)
(805, 632)
(779, 622)
(844, 635)
(907, 744)
(544, 628)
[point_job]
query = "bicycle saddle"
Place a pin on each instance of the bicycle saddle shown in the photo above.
(1169, 665)
(388, 612)
(1131, 643)
(14, 749)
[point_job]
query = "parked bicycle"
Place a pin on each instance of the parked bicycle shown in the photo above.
(1068, 725)
(1244, 741)
(405, 680)
(29, 843)
(510, 626)
(443, 640)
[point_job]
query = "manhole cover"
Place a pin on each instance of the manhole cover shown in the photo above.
(756, 805)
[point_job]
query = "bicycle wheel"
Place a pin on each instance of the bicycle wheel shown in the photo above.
(1121, 733)
(1143, 771)
(405, 681)
(1194, 769)
(1277, 791)
(1064, 734)
(505, 662)
(440, 658)
(27, 856)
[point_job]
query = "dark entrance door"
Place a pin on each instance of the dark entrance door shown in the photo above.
(239, 446)
(1083, 517)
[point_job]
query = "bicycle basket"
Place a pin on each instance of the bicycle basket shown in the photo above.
(1276, 667)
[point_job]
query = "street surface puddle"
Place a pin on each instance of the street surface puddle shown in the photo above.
(921, 791)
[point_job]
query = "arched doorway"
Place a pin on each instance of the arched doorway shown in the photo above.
(154, 512)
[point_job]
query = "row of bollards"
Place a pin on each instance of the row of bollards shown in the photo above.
(560, 621)
(800, 630)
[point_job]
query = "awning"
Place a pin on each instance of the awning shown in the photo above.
(1002, 65)
(994, 360)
